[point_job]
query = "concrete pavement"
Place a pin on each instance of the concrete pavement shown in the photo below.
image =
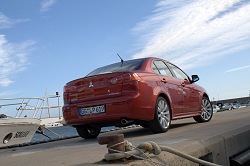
(213, 140)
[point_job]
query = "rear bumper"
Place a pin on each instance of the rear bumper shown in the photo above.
(135, 107)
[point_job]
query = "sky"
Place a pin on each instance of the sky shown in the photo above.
(46, 43)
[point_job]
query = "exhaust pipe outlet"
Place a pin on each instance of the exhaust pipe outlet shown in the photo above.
(124, 121)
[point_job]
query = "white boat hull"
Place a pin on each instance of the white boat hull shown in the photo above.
(17, 130)
(51, 122)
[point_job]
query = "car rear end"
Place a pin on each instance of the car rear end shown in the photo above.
(107, 96)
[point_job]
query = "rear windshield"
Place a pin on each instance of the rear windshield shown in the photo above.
(130, 65)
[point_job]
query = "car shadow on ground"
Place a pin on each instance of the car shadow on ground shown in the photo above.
(135, 131)
(178, 125)
(140, 131)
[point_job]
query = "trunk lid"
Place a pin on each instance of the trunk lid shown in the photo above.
(93, 88)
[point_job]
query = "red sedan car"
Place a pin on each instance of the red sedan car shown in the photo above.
(148, 91)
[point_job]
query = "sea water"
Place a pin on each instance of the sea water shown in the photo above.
(58, 132)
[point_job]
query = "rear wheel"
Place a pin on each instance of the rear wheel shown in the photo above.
(206, 111)
(88, 132)
(162, 118)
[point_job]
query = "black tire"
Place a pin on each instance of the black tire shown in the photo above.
(162, 116)
(206, 111)
(88, 132)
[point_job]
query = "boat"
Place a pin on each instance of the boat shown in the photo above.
(14, 131)
(32, 115)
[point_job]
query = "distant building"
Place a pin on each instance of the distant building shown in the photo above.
(242, 100)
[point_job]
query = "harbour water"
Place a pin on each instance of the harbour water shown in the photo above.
(58, 132)
(54, 133)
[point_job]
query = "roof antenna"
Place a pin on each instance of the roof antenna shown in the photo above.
(121, 60)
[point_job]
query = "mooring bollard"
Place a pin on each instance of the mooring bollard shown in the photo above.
(114, 141)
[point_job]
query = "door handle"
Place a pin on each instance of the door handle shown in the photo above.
(164, 80)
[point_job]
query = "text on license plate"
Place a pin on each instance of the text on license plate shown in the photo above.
(91, 110)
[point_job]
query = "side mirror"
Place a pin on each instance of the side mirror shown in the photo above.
(195, 78)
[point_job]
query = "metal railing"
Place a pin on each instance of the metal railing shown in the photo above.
(35, 104)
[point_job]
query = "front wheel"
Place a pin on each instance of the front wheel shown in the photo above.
(162, 118)
(206, 111)
(88, 132)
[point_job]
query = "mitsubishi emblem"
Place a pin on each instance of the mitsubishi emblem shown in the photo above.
(91, 84)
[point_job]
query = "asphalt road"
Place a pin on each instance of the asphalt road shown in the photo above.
(77, 151)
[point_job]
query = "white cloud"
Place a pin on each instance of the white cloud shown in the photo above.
(238, 68)
(6, 22)
(47, 4)
(13, 59)
(192, 33)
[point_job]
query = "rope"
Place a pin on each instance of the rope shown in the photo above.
(149, 148)
(186, 156)
(54, 133)
(131, 151)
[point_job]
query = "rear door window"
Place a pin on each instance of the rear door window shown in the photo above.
(159, 67)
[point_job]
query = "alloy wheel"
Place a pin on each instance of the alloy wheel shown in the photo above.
(206, 109)
(163, 114)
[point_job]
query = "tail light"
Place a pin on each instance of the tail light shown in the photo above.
(125, 78)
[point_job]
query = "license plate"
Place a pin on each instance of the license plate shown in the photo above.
(91, 110)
